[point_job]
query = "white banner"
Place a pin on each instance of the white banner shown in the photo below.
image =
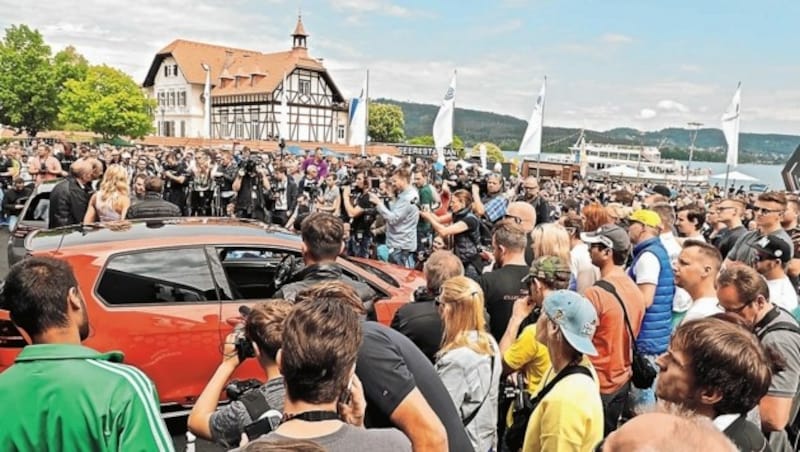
(730, 127)
(443, 125)
(532, 140)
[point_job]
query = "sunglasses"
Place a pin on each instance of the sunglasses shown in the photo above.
(765, 211)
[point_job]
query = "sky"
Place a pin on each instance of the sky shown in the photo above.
(612, 63)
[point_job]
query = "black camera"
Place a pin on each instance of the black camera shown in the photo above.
(312, 189)
(249, 166)
(244, 346)
(237, 388)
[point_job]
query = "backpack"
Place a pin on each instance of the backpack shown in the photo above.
(258, 408)
(793, 428)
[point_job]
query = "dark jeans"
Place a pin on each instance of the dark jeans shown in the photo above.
(401, 257)
(360, 244)
(613, 404)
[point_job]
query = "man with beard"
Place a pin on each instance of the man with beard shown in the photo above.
(66, 394)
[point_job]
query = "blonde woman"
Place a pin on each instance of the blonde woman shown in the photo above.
(551, 239)
(111, 201)
(469, 362)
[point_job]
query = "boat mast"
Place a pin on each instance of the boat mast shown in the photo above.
(694, 127)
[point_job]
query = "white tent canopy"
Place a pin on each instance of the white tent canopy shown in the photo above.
(734, 176)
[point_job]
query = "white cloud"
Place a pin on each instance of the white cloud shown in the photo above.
(616, 38)
(647, 113)
(671, 105)
(690, 68)
(384, 7)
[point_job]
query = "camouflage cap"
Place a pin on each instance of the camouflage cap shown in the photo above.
(548, 269)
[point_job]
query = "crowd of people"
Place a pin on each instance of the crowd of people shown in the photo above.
(563, 316)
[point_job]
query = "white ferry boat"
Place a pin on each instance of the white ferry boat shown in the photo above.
(634, 163)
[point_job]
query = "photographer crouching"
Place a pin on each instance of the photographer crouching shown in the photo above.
(260, 337)
(249, 185)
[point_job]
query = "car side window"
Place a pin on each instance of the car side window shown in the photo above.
(39, 208)
(251, 271)
(167, 276)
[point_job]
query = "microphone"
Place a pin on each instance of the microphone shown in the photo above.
(244, 310)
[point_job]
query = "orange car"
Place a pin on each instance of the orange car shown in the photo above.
(167, 292)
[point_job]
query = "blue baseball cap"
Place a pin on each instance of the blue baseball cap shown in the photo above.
(575, 316)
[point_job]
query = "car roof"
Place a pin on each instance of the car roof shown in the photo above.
(158, 231)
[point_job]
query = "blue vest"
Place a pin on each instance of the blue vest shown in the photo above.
(656, 327)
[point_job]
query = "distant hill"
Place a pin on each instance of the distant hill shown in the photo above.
(506, 131)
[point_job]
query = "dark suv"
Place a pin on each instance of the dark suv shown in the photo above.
(34, 216)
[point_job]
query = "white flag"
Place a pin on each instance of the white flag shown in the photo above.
(730, 127)
(443, 125)
(532, 140)
(482, 150)
(283, 119)
(358, 118)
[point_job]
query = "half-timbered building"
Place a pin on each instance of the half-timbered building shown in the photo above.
(246, 93)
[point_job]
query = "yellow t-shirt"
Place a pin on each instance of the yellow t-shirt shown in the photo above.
(530, 355)
(569, 418)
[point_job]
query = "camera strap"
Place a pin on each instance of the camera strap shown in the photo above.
(313, 416)
(255, 404)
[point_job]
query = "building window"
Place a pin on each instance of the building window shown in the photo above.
(305, 86)
(162, 99)
(166, 71)
(182, 99)
(341, 131)
(172, 98)
(183, 129)
(175, 70)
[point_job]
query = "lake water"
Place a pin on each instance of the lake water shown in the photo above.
(766, 174)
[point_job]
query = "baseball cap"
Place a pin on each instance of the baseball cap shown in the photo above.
(548, 269)
(774, 247)
(575, 317)
(662, 190)
(646, 217)
(609, 235)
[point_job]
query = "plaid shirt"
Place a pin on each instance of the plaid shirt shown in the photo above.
(495, 207)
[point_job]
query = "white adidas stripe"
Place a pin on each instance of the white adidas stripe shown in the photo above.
(157, 428)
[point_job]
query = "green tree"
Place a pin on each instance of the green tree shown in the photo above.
(69, 65)
(107, 102)
(427, 140)
(386, 123)
(28, 87)
(493, 152)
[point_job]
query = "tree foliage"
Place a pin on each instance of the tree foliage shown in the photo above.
(28, 88)
(427, 140)
(386, 123)
(31, 79)
(493, 152)
(107, 102)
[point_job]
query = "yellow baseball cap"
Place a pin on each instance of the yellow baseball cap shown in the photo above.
(646, 217)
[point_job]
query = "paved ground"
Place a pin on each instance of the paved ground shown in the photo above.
(177, 426)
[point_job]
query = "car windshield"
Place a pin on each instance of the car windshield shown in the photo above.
(380, 274)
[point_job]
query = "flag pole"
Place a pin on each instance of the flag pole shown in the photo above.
(727, 172)
(541, 136)
(366, 118)
(453, 123)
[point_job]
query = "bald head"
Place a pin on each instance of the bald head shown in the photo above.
(523, 211)
(665, 432)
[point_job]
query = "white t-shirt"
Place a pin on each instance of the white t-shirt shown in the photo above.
(681, 301)
(647, 269)
(781, 293)
(671, 244)
(581, 266)
(701, 308)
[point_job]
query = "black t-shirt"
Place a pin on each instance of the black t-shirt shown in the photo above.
(390, 366)
(729, 239)
(420, 321)
(501, 288)
(364, 221)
